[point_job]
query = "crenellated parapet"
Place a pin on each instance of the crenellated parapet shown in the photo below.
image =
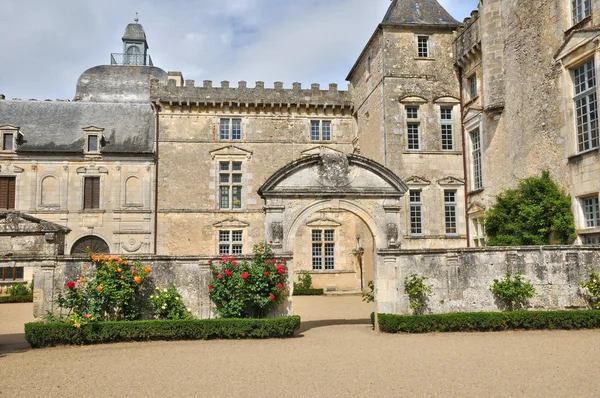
(243, 96)
(468, 38)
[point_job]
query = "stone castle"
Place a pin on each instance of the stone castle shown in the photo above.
(440, 117)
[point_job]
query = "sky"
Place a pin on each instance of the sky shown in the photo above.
(47, 45)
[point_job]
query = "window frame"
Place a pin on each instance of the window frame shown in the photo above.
(94, 205)
(472, 86)
(423, 50)
(321, 123)
(587, 135)
(326, 249)
(478, 232)
(230, 129)
(451, 212)
(230, 243)
(576, 16)
(14, 268)
(416, 212)
(476, 159)
(413, 127)
(14, 132)
(230, 184)
(11, 192)
(591, 212)
(445, 125)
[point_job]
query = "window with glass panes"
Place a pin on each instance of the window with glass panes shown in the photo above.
(472, 86)
(11, 273)
(478, 232)
(320, 130)
(586, 106)
(413, 128)
(230, 242)
(450, 212)
(92, 143)
(8, 141)
(447, 122)
(580, 10)
(230, 185)
(591, 213)
(416, 213)
(591, 240)
(323, 249)
(476, 160)
(230, 129)
(423, 46)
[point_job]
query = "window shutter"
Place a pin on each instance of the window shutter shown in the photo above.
(96, 197)
(87, 193)
(12, 185)
(3, 193)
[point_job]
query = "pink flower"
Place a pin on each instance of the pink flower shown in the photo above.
(219, 276)
(284, 260)
(245, 275)
(209, 262)
(224, 257)
(272, 297)
(71, 285)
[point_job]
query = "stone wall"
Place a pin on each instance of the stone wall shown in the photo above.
(462, 278)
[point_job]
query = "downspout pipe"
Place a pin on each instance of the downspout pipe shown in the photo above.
(464, 153)
(156, 107)
(385, 162)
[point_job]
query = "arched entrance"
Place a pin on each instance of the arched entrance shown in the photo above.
(90, 244)
(324, 193)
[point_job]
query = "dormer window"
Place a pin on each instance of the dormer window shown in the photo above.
(11, 137)
(92, 143)
(8, 141)
(93, 140)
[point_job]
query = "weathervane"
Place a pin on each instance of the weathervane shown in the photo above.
(136, 18)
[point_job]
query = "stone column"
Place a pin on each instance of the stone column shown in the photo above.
(43, 289)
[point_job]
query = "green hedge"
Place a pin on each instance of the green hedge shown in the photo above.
(308, 292)
(40, 334)
(16, 299)
(489, 321)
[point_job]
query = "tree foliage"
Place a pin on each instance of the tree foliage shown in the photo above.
(536, 213)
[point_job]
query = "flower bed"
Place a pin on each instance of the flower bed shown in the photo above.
(40, 334)
(489, 321)
(16, 299)
(308, 292)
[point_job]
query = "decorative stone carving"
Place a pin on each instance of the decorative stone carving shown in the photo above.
(277, 232)
(392, 235)
(334, 170)
(416, 180)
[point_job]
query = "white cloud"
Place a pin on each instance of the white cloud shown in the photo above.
(46, 45)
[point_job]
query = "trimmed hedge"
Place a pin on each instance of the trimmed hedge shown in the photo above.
(489, 321)
(16, 299)
(40, 334)
(308, 292)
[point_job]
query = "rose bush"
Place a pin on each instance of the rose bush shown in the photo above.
(168, 304)
(249, 289)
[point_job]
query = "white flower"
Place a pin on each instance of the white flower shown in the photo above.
(165, 290)
(177, 298)
(189, 310)
(164, 306)
(157, 289)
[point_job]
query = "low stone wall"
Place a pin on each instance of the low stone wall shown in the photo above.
(461, 279)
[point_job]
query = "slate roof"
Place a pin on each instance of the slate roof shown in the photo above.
(58, 126)
(134, 31)
(418, 12)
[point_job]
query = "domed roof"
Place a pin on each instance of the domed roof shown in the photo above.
(134, 31)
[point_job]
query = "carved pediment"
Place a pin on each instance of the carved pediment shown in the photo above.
(8, 127)
(413, 99)
(447, 99)
(319, 150)
(451, 181)
(323, 223)
(92, 169)
(231, 150)
(475, 207)
(231, 222)
(333, 173)
(576, 40)
(93, 129)
(416, 180)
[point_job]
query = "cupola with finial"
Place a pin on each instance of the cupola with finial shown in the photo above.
(135, 46)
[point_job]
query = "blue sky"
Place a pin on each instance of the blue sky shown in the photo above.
(46, 45)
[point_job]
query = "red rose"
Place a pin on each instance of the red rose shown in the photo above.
(267, 262)
(281, 271)
(279, 286)
(224, 257)
(210, 287)
(271, 242)
(209, 262)
(284, 260)
(232, 259)
(267, 273)
(274, 261)
(245, 275)
(219, 276)
(272, 297)
(233, 263)
(71, 284)
(228, 273)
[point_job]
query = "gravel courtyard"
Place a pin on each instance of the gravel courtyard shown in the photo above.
(336, 354)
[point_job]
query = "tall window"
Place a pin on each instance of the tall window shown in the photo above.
(591, 213)
(91, 193)
(7, 192)
(581, 9)
(450, 212)
(231, 129)
(476, 159)
(591, 240)
(320, 130)
(323, 249)
(92, 143)
(447, 129)
(472, 86)
(416, 213)
(8, 140)
(478, 232)
(423, 46)
(586, 107)
(413, 128)
(230, 242)
(230, 185)
(11, 273)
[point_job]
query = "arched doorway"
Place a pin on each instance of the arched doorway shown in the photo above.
(329, 192)
(90, 244)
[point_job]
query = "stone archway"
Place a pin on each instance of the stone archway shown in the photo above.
(334, 182)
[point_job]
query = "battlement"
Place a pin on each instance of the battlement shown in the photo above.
(242, 94)
(468, 36)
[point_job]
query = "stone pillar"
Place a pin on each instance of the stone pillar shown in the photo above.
(43, 289)
(274, 228)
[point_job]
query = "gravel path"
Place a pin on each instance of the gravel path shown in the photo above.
(340, 358)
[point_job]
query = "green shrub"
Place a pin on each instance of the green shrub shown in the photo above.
(304, 281)
(369, 296)
(40, 334)
(16, 299)
(536, 213)
(489, 321)
(591, 290)
(308, 292)
(19, 289)
(168, 304)
(513, 294)
(418, 292)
